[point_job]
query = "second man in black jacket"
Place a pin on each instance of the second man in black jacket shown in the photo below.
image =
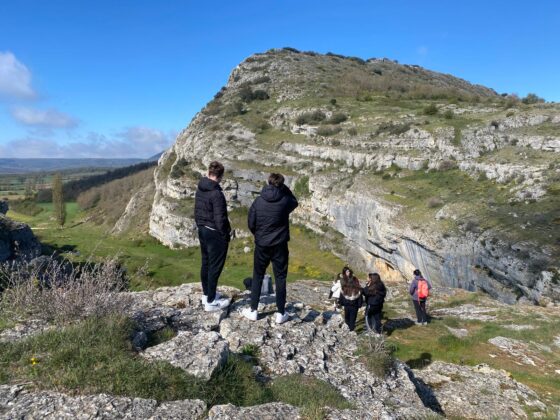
(269, 221)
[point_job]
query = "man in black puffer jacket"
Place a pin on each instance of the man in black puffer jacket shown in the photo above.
(269, 222)
(210, 214)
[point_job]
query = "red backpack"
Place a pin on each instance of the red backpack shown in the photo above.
(423, 291)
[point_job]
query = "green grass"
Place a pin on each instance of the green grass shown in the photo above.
(308, 393)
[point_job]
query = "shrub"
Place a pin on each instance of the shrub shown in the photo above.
(495, 124)
(301, 187)
(333, 101)
(233, 109)
(391, 128)
(434, 202)
(375, 354)
(447, 165)
(510, 114)
(532, 98)
(328, 130)
(430, 110)
(57, 291)
(311, 117)
(448, 115)
(352, 131)
(246, 94)
(472, 226)
(262, 79)
(27, 207)
(337, 118)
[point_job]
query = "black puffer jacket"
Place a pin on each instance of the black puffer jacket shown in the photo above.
(269, 215)
(375, 296)
(210, 208)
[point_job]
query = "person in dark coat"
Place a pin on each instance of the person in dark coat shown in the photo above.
(374, 294)
(214, 230)
(419, 303)
(352, 300)
(268, 220)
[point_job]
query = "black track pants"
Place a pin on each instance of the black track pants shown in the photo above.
(213, 247)
(264, 255)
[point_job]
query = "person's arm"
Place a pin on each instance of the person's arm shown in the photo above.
(413, 286)
(252, 218)
(292, 200)
(220, 213)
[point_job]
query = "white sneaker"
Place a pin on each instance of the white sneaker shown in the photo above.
(204, 298)
(280, 319)
(249, 314)
(216, 305)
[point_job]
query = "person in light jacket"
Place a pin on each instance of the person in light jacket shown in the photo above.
(419, 302)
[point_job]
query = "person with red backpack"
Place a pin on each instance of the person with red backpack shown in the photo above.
(419, 290)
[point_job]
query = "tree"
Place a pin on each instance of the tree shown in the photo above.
(59, 207)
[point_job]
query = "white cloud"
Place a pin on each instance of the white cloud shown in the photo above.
(133, 142)
(49, 118)
(15, 78)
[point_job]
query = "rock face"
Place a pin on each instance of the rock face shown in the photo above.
(313, 342)
(17, 241)
(361, 162)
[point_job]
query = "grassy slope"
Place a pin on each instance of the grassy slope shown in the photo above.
(167, 267)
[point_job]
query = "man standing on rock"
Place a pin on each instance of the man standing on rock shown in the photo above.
(269, 221)
(210, 214)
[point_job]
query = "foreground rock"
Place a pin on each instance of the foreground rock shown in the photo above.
(313, 343)
(17, 241)
(18, 403)
(478, 392)
(197, 354)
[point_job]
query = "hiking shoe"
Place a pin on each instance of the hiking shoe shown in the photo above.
(424, 323)
(280, 319)
(418, 323)
(204, 298)
(216, 305)
(249, 314)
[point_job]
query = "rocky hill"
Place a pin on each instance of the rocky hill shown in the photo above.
(398, 166)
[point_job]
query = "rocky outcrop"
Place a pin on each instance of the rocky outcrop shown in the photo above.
(341, 162)
(17, 241)
(17, 403)
(478, 392)
(314, 342)
(139, 205)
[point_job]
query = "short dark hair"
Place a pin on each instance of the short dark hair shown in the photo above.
(417, 272)
(276, 179)
(216, 168)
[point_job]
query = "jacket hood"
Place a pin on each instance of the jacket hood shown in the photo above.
(272, 194)
(206, 184)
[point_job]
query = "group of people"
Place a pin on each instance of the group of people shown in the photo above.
(268, 220)
(349, 293)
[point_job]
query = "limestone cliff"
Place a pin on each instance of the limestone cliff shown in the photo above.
(414, 168)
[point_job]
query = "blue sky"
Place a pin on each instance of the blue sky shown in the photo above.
(122, 78)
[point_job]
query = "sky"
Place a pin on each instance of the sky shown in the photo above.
(84, 78)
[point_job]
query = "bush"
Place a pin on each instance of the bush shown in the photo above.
(434, 202)
(391, 128)
(301, 187)
(375, 354)
(246, 94)
(352, 131)
(328, 130)
(532, 98)
(333, 101)
(448, 115)
(447, 165)
(262, 79)
(314, 117)
(57, 291)
(430, 110)
(27, 207)
(337, 118)
(495, 124)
